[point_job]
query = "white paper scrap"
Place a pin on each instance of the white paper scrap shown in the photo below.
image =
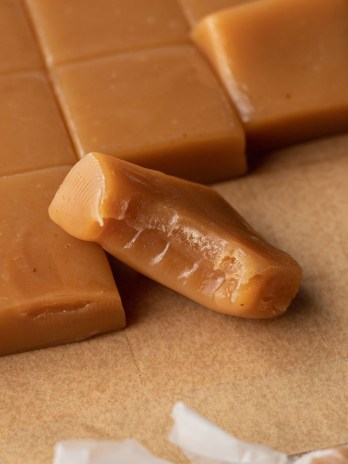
(103, 452)
(204, 443)
(330, 456)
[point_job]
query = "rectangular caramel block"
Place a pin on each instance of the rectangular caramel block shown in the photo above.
(183, 235)
(75, 29)
(18, 50)
(196, 10)
(160, 108)
(53, 288)
(32, 131)
(284, 64)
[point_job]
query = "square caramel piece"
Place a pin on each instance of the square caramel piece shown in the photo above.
(32, 131)
(196, 10)
(161, 108)
(54, 288)
(75, 29)
(18, 49)
(284, 64)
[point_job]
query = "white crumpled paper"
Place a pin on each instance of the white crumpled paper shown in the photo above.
(331, 456)
(201, 441)
(204, 443)
(103, 452)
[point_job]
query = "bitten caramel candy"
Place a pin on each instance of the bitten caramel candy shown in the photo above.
(161, 108)
(53, 288)
(284, 64)
(32, 132)
(183, 235)
(75, 29)
(18, 50)
(198, 9)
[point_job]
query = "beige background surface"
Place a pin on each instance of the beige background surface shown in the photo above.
(281, 382)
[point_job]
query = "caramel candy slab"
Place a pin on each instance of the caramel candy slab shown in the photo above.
(18, 50)
(53, 288)
(284, 64)
(161, 108)
(196, 10)
(181, 234)
(75, 29)
(32, 132)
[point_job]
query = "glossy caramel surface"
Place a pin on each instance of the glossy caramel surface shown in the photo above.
(181, 234)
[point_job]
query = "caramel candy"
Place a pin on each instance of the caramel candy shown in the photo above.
(183, 235)
(284, 64)
(75, 29)
(198, 9)
(53, 288)
(18, 50)
(32, 132)
(160, 108)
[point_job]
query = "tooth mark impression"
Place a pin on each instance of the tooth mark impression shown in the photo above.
(134, 239)
(158, 258)
(188, 272)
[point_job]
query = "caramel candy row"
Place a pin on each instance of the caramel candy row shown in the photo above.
(181, 234)
(54, 288)
(131, 85)
(284, 65)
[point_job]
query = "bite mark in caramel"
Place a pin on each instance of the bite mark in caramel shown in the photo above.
(182, 234)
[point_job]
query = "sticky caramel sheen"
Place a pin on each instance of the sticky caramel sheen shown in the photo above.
(181, 234)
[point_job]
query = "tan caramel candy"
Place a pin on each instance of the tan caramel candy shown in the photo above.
(18, 50)
(53, 288)
(198, 9)
(75, 29)
(284, 64)
(32, 132)
(161, 108)
(183, 235)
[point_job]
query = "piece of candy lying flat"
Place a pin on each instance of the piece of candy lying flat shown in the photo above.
(181, 234)
(284, 64)
(54, 289)
(18, 50)
(71, 30)
(32, 131)
(161, 108)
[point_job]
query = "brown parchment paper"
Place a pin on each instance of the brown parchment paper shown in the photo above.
(280, 382)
